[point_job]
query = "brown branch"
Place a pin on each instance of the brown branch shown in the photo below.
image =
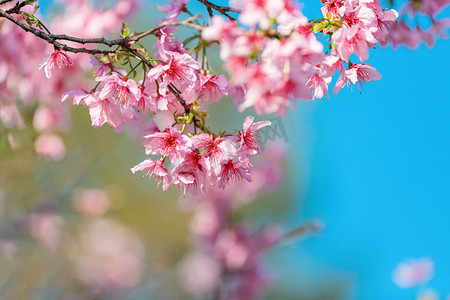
(224, 10)
(48, 37)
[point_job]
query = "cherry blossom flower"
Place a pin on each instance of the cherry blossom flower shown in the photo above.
(119, 88)
(353, 40)
(319, 84)
(154, 168)
(218, 149)
(169, 143)
(248, 137)
(258, 12)
(331, 7)
(191, 172)
(180, 70)
(174, 7)
(233, 171)
(57, 59)
(213, 87)
(103, 111)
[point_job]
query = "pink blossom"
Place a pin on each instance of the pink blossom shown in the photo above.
(50, 146)
(258, 12)
(413, 272)
(233, 171)
(170, 142)
(103, 111)
(213, 87)
(152, 99)
(181, 70)
(218, 149)
(354, 40)
(167, 43)
(223, 31)
(154, 168)
(248, 137)
(78, 96)
(120, 88)
(319, 84)
(331, 63)
(331, 7)
(361, 16)
(174, 7)
(357, 74)
(57, 59)
(191, 172)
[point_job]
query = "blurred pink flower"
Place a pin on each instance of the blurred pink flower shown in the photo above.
(413, 272)
(46, 227)
(199, 273)
(108, 256)
(50, 146)
(92, 203)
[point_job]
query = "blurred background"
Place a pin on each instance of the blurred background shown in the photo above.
(374, 166)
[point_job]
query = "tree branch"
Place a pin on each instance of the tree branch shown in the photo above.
(53, 38)
(49, 38)
(224, 10)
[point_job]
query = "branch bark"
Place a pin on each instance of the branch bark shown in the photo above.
(53, 38)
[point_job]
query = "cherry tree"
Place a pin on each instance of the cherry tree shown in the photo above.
(272, 54)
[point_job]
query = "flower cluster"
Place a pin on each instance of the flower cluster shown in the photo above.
(279, 58)
(202, 158)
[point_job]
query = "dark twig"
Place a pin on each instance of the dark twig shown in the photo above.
(16, 8)
(224, 10)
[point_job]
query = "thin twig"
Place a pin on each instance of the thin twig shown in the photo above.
(120, 42)
(224, 10)
(16, 8)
